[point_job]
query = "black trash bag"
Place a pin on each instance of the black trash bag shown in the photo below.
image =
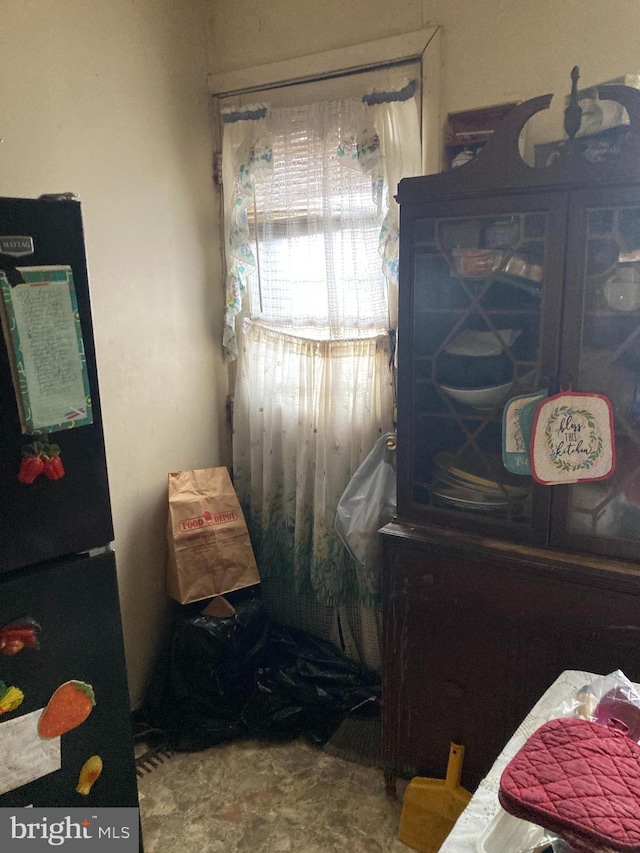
(243, 676)
(206, 675)
(306, 686)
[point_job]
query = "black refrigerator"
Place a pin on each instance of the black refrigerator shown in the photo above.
(63, 687)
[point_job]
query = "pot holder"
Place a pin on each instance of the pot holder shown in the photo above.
(572, 439)
(517, 421)
(580, 780)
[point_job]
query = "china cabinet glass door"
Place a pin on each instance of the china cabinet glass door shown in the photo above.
(480, 300)
(602, 355)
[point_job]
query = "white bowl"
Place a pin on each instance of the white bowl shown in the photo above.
(479, 398)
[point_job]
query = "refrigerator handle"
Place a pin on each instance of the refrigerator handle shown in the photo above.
(8, 267)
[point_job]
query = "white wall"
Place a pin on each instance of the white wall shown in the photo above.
(109, 100)
(493, 50)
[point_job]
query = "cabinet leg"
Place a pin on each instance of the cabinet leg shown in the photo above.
(390, 785)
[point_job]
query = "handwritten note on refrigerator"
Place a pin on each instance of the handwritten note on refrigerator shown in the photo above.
(46, 350)
(25, 755)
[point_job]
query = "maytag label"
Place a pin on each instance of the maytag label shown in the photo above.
(17, 247)
(33, 830)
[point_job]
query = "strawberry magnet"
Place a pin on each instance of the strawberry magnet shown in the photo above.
(40, 458)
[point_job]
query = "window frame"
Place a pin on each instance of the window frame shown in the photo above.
(424, 45)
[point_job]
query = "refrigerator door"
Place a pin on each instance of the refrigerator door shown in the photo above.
(51, 518)
(76, 604)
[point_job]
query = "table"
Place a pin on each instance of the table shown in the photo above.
(484, 803)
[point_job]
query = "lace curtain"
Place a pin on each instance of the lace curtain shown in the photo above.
(312, 248)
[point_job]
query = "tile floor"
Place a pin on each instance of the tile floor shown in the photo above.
(256, 797)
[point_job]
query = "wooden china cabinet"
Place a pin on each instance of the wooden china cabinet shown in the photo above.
(512, 279)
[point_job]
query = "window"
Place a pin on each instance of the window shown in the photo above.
(316, 228)
(311, 230)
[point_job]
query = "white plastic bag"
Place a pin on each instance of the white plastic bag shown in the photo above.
(603, 701)
(367, 504)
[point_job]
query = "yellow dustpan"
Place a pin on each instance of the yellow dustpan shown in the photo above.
(432, 806)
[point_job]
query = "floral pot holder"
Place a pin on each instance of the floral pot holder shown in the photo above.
(572, 439)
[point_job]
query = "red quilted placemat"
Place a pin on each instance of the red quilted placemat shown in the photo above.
(580, 779)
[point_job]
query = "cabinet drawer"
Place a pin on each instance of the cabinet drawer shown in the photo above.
(509, 592)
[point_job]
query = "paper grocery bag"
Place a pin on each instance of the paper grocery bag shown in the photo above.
(210, 551)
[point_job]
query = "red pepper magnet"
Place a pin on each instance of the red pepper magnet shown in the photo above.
(15, 636)
(32, 465)
(53, 467)
(39, 458)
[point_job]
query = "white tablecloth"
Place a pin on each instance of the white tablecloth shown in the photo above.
(484, 803)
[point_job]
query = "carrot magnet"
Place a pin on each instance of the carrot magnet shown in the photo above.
(68, 707)
(89, 772)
